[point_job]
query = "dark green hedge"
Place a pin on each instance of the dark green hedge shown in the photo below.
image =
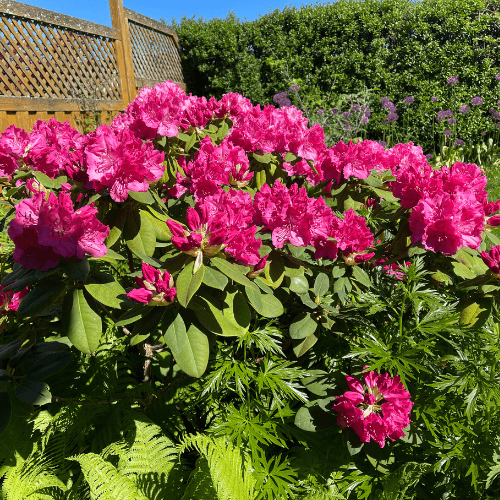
(399, 47)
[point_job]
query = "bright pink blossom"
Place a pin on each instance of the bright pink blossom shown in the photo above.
(445, 223)
(156, 288)
(47, 228)
(156, 111)
(122, 162)
(9, 301)
(292, 216)
(378, 410)
(492, 260)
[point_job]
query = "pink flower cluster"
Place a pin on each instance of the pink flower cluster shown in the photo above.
(213, 166)
(156, 288)
(222, 221)
(360, 407)
(50, 148)
(9, 301)
(121, 162)
(47, 228)
(492, 260)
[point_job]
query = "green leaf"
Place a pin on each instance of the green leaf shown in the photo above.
(137, 339)
(302, 326)
(5, 410)
(46, 364)
(105, 289)
(148, 324)
(300, 347)
(476, 314)
(10, 348)
(234, 272)
(188, 283)
(77, 270)
(45, 180)
(139, 233)
(33, 392)
(214, 278)
(190, 349)
(321, 284)
(133, 314)
(361, 276)
(313, 418)
(142, 197)
(40, 299)
(442, 278)
(190, 142)
(83, 325)
(161, 229)
(265, 158)
(385, 195)
(463, 271)
(299, 284)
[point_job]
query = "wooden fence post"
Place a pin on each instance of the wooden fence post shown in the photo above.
(124, 50)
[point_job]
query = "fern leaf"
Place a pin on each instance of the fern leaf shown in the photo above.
(105, 482)
(229, 470)
(200, 485)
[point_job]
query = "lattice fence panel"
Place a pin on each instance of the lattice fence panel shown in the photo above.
(154, 54)
(43, 60)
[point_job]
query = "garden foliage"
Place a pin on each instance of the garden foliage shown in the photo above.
(204, 301)
(397, 48)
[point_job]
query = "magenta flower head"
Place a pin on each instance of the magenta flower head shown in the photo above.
(378, 409)
(453, 80)
(386, 102)
(9, 301)
(447, 132)
(294, 88)
(409, 100)
(156, 288)
(459, 142)
(434, 98)
(392, 117)
(476, 101)
(47, 228)
(492, 260)
(464, 109)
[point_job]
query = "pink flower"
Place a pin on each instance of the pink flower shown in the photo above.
(46, 229)
(292, 216)
(121, 162)
(156, 288)
(445, 223)
(360, 407)
(492, 260)
(159, 110)
(9, 301)
(222, 221)
(353, 237)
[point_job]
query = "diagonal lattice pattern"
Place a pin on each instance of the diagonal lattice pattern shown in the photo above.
(154, 54)
(42, 60)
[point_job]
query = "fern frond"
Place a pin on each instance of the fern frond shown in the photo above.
(229, 470)
(105, 482)
(200, 485)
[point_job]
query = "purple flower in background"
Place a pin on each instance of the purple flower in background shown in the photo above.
(294, 88)
(497, 125)
(447, 132)
(356, 107)
(346, 114)
(443, 114)
(281, 99)
(476, 101)
(452, 121)
(334, 111)
(459, 142)
(364, 120)
(409, 100)
(392, 117)
(429, 156)
(434, 99)
(497, 76)
(453, 80)
(386, 102)
(498, 103)
(494, 114)
(392, 108)
(382, 143)
(464, 109)
(483, 132)
(320, 111)
(368, 113)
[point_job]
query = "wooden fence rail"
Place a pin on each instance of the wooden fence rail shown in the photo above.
(56, 65)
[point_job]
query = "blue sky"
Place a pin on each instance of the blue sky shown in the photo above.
(97, 11)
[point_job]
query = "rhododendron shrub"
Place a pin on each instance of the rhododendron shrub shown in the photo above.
(215, 266)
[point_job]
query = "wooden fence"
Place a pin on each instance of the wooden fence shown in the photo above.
(56, 65)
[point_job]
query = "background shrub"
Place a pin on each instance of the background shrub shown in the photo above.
(397, 47)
